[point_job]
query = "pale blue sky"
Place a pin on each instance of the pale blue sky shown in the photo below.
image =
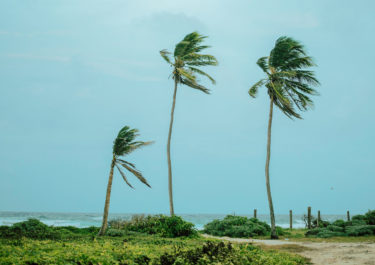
(72, 73)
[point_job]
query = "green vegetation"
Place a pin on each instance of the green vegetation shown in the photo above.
(35, 229)
(237, 226)
(187, 60)
(360, 225)
(123, 145)
(70, 245)
(162, 225)
(289, 86)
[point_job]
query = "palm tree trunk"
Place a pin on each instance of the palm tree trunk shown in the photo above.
(272, 214)
(107, 199)
(171, 209)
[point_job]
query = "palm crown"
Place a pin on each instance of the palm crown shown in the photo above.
(287, 81)
(186, 60)
(123, 145)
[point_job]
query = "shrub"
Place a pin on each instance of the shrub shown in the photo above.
(35, 229)
(340, 223)
(237, 226)
(360, 225)
(280, 231)
(335, 228)
(165, 226)
(226, 253)
(31, 228)
(325, 233)
(314, 232)
(359, 217)
(370, 217)
(361, 230)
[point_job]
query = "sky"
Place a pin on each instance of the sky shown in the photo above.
(73, 73)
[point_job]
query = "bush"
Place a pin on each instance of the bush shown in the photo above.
(35, 229)
(335, 228)
(340, 223)
(361, 230)
(360, 225)
(31, 228)
(325, 233)
(370, 217)
(237, 226)
(359, 217)
(314, 232)
(165, 226)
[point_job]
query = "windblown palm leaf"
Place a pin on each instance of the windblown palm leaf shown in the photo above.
(287, 81)
(186, 57)
(123, 145)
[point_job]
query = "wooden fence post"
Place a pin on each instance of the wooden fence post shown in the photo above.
(348, 216)
(255, 213)
(318, 220)
(309, 217)
(290, 219)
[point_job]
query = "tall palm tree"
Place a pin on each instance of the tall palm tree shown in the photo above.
(289, 86)
(187, 59)
(123, 145)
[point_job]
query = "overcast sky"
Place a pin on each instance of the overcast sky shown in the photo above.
(72, 73)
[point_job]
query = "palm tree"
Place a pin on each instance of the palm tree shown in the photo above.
(288, 85)
(123, 145)
(187, 59)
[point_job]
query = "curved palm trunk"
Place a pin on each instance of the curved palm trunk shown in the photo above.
(272, 214)
(107, 199)
(171, 209)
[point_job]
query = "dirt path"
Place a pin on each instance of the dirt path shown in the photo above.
(320, 253)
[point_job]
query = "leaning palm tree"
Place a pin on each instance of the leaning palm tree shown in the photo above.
(187, 59)
(288, 85)
(123, 145)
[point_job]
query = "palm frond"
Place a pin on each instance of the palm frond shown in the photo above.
(136, 173)
(124, 177)
(253, 91)
(126, 162)
(263, 64)
(186, 74)
(123, 140)
(288, 81)
(195, 85)
(187, 59)
(194, 59)
(198, 71)
(194, 40)
(165, 54)
(180, 48)
(136, 145)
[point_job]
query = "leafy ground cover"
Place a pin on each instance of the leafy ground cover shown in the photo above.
(165, 226)
(360, 225)
(239, 227)
(81, 246)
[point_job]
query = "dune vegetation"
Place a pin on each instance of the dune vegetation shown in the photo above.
(32, 242)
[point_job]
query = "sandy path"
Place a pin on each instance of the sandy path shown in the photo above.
(323, 253)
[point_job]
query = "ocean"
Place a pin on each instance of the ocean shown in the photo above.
(94, 219)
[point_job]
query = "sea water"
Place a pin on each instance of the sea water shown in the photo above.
(94, 219)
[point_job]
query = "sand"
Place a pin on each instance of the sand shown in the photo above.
(321, 253)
